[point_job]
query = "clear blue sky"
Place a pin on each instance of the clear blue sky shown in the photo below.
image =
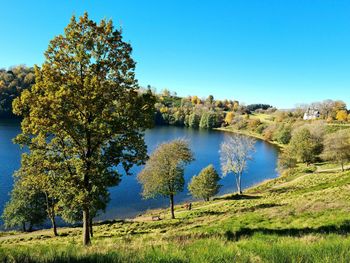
(276, 52)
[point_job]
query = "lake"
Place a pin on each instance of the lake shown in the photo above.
(126, 200)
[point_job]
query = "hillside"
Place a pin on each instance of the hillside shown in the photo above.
(299, 217)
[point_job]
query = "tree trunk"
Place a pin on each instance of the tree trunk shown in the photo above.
(172, 206)
(86, 228)
(342, 167)
(24, 226)
(91, 230)
(238, 183)
(51, 214)
(54, 226)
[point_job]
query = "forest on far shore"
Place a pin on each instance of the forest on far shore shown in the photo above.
(190, 111)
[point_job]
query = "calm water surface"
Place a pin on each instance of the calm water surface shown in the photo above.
(126, 200)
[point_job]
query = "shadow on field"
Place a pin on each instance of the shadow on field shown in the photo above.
(259, 206)
(237, 197)
(204, 213)
(281, 190)
(105, 258)
(342, 229)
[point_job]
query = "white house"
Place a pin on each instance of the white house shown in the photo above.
(311, 114)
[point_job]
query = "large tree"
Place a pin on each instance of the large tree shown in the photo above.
(337, 147)
(86, 103)
(305, 145)
(235, 152)
(164, 172)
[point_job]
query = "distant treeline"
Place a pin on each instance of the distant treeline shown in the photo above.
(12, 82)
(171, 109)
(194, 112)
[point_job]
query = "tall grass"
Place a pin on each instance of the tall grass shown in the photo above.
(258, 248)
(298, 217)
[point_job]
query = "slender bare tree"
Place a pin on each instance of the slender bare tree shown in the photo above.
(235, 152)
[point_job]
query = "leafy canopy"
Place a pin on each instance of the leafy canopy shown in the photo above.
(87, 106)
(305, 145)
(164, 171)
(337, 147)
(205, 184)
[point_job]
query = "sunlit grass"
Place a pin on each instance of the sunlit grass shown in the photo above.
(299, 217)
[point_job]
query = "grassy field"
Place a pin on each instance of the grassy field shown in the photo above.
(263, 117)
(302, 216)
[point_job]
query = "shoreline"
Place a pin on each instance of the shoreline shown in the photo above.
(250, 134)
(147, 211)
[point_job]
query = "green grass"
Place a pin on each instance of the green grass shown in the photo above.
(263, 117)
(333, 127)
(301, 216)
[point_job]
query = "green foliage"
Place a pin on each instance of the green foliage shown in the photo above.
(12, 82)
(193, 120)
(205, 184)
(163, 173)
(283, 134)
(337, 147)
(305, 146)
(254, 107)
(210, 120)
(293, 218)
(26, 206)
(179, 118)
(286, 160)
(39, 172)
(260, 129)
(88, 108)
(190, 111)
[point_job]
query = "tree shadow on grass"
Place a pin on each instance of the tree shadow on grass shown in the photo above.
(204, 213)
(237, 197)
(342, 229)
(259, 206)
(110, 222)
(87, 258)
(281, 190)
